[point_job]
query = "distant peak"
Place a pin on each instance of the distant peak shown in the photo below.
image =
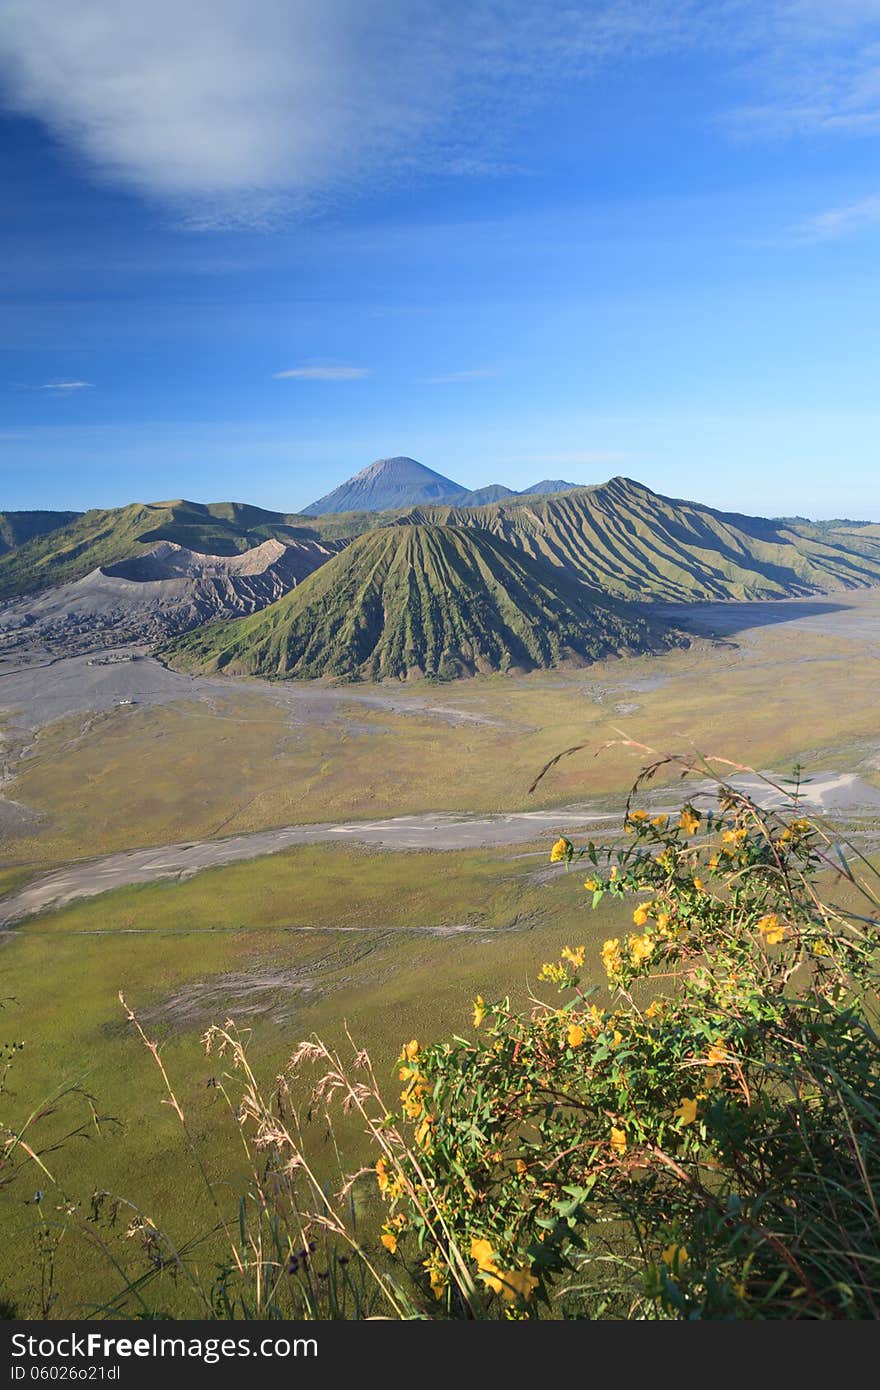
(387, 484)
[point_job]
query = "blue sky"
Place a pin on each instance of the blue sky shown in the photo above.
(248, 246)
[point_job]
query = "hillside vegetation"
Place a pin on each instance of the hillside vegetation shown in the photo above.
(424, 600)
(622, 537)
(618, 536)
(106, 537)
(18, 527)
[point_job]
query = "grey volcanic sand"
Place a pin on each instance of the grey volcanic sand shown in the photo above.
(37, 694)
(826, 793)
(852, 615)
(164, 591)
(435, 831)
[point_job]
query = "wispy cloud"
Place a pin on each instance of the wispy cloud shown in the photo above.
(64, 388)
(323, 374)
(842, 221)
(814, 70)
(236, 112)
(451, 378)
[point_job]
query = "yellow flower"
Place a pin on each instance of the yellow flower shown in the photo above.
(638, 815)
(717, 1053)
(663, 924)
(640, 948)
(521, 1168)
(482, 1252)
(552, 972)
(660, 822)
(510, 1283)
(772, 930)
(640, 916)
(575, 1035)
(611, 955)
(699, 884)
(479, 1010)
(382, 1174)
(424, 1135)
(596, 1019)
(689, 821)
(675, 1255)
(560, 851)
(412, 1050)
(516, 1283)
(436, 1273)
(714, 861)
(389, 1240)
(592, 885)
(655, 1008)
(687, 1111)
(821, 948)
(613, 873)
(797, 828)
(575, 957)
(618, 1140)
(412, 1103)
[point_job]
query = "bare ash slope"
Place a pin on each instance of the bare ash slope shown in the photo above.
(409, 601)
(622, 537)
(102, 538)
(156, 594)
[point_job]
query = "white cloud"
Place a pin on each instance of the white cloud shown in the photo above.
(451, 378)
(323, 374)
(236, 110)
(64, 388)
(239, 110)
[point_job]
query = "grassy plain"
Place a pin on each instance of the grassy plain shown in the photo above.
(303, 941)
(140, 776)
(300, 941)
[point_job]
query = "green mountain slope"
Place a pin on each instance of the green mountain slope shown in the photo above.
(423, 600)
(120, 533)
(18, 527)
(622, 537)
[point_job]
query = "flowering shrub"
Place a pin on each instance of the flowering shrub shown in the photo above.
(698, 1136)
(699, 1139)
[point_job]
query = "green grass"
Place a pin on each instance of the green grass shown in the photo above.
(15, 877)
(387, 980)
(18, 527)
(154, 775)
(406, 601)
(624, 538)
(104, 537)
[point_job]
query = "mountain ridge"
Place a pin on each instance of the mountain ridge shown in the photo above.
(388, 484)
(622, 537)
(424, 600)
